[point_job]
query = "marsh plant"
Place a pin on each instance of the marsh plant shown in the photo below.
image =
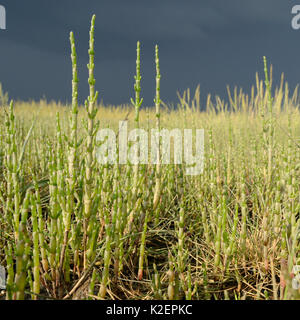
(3, 97)
(72, 227)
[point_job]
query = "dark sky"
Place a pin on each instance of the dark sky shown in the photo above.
(208, 42)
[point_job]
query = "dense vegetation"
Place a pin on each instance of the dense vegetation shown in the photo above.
(73, 228)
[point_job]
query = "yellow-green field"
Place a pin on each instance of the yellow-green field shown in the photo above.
(73, 228)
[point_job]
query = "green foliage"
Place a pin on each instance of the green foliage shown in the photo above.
(72, 228)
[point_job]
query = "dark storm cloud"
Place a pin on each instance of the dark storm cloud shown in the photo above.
(210, 42)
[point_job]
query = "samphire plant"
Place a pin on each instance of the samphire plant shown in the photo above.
(73, 228)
